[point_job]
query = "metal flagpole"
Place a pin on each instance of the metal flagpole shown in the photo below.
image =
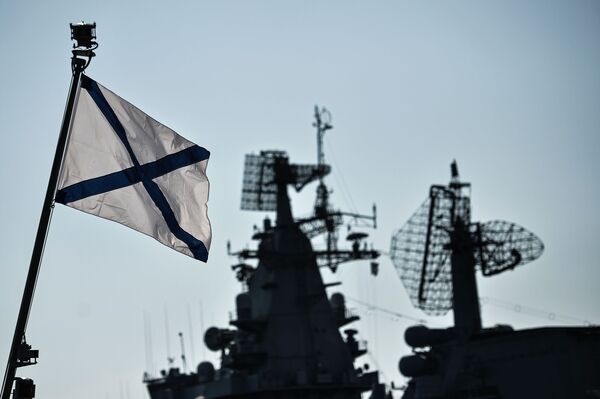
(21, 353)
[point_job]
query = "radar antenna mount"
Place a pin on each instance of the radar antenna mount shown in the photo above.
(264, 188)
(437, 252)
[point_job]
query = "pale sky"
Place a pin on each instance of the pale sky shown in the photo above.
(510, 89)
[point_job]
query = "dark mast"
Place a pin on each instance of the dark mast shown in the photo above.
(437, 254)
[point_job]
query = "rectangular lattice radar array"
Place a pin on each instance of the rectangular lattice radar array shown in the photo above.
(259, 191)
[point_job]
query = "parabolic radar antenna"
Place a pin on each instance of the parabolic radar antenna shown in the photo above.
(438, 250)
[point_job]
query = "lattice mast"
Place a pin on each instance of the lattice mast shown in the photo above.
(322, 208)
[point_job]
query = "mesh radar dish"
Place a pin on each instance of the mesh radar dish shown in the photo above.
(422, 249)
(503, 245)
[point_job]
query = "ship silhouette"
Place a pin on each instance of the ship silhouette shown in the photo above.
(285, 339)
(437, 254)
(290, 339)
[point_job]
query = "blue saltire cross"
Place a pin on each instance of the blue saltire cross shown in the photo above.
(138, 173)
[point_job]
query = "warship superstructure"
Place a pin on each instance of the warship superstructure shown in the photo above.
(285, 340)
(437, 254)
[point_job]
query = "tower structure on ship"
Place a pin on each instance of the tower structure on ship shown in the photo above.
(289, 338)
(437, 254)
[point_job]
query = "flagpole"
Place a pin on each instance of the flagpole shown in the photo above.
(21, 353)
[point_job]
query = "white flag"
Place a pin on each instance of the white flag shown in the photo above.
(124, 166)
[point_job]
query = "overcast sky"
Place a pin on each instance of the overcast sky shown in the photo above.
(510, 89)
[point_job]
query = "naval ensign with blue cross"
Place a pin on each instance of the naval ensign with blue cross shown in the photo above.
(124, 166)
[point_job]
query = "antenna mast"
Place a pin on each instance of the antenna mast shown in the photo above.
(264, 189)
(183, 361)
(322, 123)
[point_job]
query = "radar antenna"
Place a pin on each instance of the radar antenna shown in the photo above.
(264, 188)
(438, 250)
(183, 359)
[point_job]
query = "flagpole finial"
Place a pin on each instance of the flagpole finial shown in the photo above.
(84, 36)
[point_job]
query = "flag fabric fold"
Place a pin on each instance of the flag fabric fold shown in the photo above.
(124, 166)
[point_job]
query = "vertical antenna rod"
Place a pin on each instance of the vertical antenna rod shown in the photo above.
(183, 361)
(21, 353)
(189, 314)
(322, 126)
(202, 328)
(323, 123)
(167, 335)
(322, 203)
(147, 344)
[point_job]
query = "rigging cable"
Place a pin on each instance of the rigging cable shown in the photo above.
(389, 312)
(533, 312)
(341, 181)
(501, 303)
